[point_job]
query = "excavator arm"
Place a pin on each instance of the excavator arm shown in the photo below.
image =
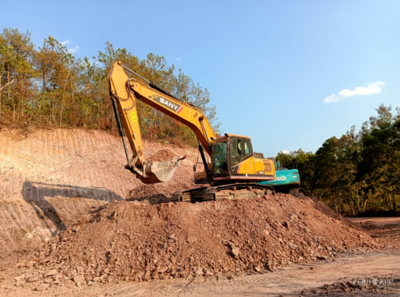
(124, 93)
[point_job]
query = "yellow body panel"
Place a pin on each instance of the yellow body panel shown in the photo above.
(257, 166)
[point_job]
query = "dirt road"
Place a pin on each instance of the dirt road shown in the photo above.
(289, 281)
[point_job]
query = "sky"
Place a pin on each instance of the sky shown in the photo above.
(289, 74)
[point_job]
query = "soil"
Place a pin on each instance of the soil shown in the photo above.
(51, 178)
(66, 220)
(148, 193)
(162, 155)
(138, 242)
(380, 285)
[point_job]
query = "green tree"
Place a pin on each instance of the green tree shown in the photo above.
(16, 50)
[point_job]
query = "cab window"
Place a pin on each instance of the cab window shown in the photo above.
(247, 147)
(220, 157)
(236, 147)
(240, 147)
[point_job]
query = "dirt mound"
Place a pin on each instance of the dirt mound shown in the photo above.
(325, 209)
(137, 241)
(149, 193)
(162, 155)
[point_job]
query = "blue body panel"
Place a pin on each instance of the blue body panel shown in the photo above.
(284, 178)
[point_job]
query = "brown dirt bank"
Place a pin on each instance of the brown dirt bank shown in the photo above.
(51, 178)
(131, 241)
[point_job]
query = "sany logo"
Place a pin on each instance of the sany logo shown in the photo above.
(280, 178)
(173, 106)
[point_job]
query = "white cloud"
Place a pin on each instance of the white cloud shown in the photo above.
(372, 88)
(286, 152)
(66, 42)
(74, 49)
(178, 59)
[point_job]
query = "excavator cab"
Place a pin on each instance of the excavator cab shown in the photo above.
(229, 152)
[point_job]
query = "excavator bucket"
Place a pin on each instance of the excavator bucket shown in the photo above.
(158, 172)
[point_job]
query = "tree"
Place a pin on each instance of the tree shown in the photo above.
(16, 52)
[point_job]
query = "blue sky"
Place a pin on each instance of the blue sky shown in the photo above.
(272, 67)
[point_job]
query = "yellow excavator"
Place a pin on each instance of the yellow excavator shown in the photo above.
(233, 170)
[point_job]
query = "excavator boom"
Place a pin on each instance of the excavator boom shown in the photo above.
(235, 169)
(124, 94)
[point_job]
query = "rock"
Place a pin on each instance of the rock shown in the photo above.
(48, 281)
(42, 287)
(57, 277)
(96, 279)
(172, 236)
(235, 251)
(322, 258)
(30, 264)
(80, 269)
(50, 273)
(19, 278)
(162, 270)
(32, 279)
(22, 264)
(256, 268)
(191, 239)
(79, 278)
(199, 270)
(155, 275)
(209, 273)
(287, 225)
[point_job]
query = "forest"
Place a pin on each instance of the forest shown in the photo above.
(47, 86)
(357, 173)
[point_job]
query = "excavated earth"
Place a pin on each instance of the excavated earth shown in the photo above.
(74, 219)
(137, 241)
(162, 155)
(51, 178)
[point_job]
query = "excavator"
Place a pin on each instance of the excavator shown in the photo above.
(231, 169)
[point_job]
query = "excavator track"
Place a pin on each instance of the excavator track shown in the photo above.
(221, 192)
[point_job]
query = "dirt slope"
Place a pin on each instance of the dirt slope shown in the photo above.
(136, 241)
(50, 178)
